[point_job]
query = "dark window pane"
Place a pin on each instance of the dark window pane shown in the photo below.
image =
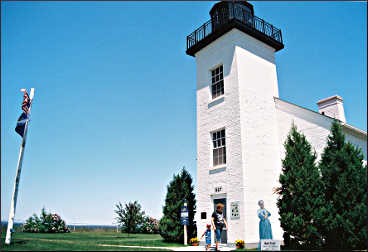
(223, 133)
(213, 80)
(219, 142)
(217, 70)
(224, 155)
(215, 162)
(203, 215)
(223, 142)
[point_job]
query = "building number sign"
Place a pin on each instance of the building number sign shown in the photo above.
(218, 189)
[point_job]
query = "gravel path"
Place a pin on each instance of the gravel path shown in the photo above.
(189, 248)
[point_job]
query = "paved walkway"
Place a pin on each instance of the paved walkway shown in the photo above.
(188, 248)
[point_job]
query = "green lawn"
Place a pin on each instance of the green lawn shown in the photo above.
(244, 249)
(82, 241)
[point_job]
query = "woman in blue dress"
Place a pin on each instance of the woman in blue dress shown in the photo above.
(265, 231)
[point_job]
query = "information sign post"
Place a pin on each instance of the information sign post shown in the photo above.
(185, 220)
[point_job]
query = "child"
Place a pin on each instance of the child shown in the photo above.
(208, 236)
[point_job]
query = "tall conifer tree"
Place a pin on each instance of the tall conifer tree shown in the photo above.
(345, 189)
(300, 199)
(180, 188)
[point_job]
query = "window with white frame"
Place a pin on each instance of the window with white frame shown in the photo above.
(219, 147)
(217, 87)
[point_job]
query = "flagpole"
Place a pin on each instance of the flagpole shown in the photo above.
(17, 177)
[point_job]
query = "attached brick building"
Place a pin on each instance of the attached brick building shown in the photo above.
(241, 121)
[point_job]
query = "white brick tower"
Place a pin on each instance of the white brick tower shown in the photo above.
(237, 139)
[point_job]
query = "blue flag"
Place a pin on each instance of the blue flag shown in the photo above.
(21, 124)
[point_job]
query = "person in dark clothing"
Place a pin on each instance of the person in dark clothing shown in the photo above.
(218, 222)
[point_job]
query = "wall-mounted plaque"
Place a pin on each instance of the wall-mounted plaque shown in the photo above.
(235, 210)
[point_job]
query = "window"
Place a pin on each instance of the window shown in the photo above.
(217, 82)
(219, 147)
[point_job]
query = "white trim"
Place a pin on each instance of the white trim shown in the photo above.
(211, 166)
(210, 81)
(218, 97)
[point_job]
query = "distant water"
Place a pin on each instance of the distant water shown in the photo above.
(5, 223)
(92, 226)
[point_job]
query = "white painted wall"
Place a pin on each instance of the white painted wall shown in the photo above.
(314, 126)
(246, 111)
(333, 107)
(256, 124)
(224, 112)
(260, 149)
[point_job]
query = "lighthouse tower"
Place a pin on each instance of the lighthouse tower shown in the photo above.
(238, 150)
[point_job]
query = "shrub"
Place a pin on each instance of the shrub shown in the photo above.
(149, 226)
(46, 223)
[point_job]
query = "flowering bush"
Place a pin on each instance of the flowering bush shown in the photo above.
(193, 241)
(46, 223)
(149, 226)
(239, 243)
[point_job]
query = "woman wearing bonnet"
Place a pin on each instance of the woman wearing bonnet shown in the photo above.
(265, 231)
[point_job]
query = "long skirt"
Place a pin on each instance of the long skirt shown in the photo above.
(265, 231)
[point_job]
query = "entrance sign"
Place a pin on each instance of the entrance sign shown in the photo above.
(272, 245)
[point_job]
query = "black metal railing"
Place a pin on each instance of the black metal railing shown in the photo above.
(244, 17)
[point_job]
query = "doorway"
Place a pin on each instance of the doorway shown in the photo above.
(224, 232)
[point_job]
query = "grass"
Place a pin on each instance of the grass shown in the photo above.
(83, 241)
(244, 249)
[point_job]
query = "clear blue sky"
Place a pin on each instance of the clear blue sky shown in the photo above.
(114, 111)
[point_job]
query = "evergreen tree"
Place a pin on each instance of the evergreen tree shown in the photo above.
(180, 188)
(345, 190)
(300, 199)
